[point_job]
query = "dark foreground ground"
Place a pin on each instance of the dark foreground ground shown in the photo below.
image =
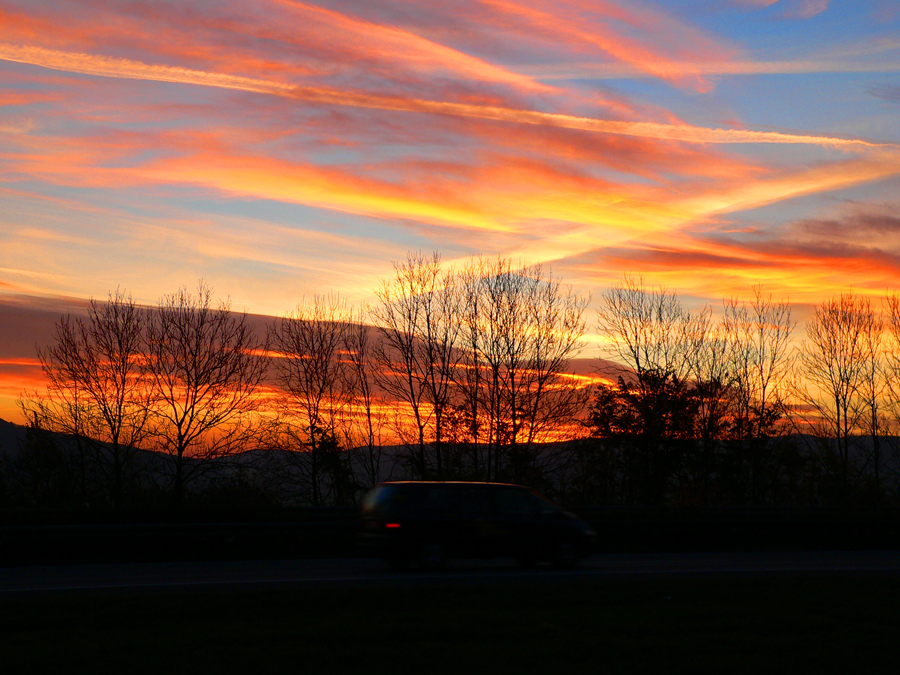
(800, 623)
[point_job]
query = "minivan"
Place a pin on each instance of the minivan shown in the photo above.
(428, 522)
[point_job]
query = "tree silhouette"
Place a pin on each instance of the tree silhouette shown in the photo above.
(521, 327)
(313, 378)
(204, 366)
(833, 362)
(758, 333)
(649, 331)
(95, 392)
(874, 387)
(365, 423)
(418, 320)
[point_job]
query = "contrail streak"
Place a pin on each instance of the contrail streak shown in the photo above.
(699, 69)
(103, 66)
(107, 66)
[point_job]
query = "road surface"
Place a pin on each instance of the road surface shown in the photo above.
(117, 579)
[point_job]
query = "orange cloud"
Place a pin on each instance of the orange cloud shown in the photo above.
(508, 195)
(103, 66)
(308, 184)
(609, 71)
(543, 209)
(575, 26)
(793, 184)
(521, 181)
(630, 215)
(123, 68)
(17, 25)
(17, 98)
(806, 261)
(400, 48)
(301, 40)
(498, 197)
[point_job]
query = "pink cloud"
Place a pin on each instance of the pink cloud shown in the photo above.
(655, 43)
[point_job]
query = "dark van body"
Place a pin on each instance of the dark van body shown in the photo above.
(428, 522)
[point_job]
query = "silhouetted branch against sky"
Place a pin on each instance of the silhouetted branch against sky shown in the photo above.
(204, 377)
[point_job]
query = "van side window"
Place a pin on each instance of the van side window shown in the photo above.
(469, 500)
(517, 502)
(433, 500)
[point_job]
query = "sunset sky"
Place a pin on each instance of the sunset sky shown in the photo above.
(277, 149)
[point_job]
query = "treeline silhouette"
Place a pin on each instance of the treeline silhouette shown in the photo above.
(463, 374)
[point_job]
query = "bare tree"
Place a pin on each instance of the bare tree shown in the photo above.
(710, 367)
(832, 361)
(521, 329)
(417, 318)
(310, 370)
(712, 393)
(474, 421)
(873, 389)
(366, 419)
(892, 364)
(648, 331)
(204, 366)
(94, 389)
(759, 333)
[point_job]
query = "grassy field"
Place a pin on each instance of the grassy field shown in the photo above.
(815, 624)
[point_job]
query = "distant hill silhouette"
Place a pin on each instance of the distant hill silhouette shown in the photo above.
(11, 436)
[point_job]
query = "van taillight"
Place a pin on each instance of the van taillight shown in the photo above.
(392, 526)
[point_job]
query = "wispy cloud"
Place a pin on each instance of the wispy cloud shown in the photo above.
(803, 9)
(102, 66)
(858, 226)
(803, 267)
(886, 92)
(872, 56)
(713, 68)
(672, 213)
(660, 53)
(877, 55)
(786, 9)
(14, 126)
(360, 39)
(106, 66)
(794, 184)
